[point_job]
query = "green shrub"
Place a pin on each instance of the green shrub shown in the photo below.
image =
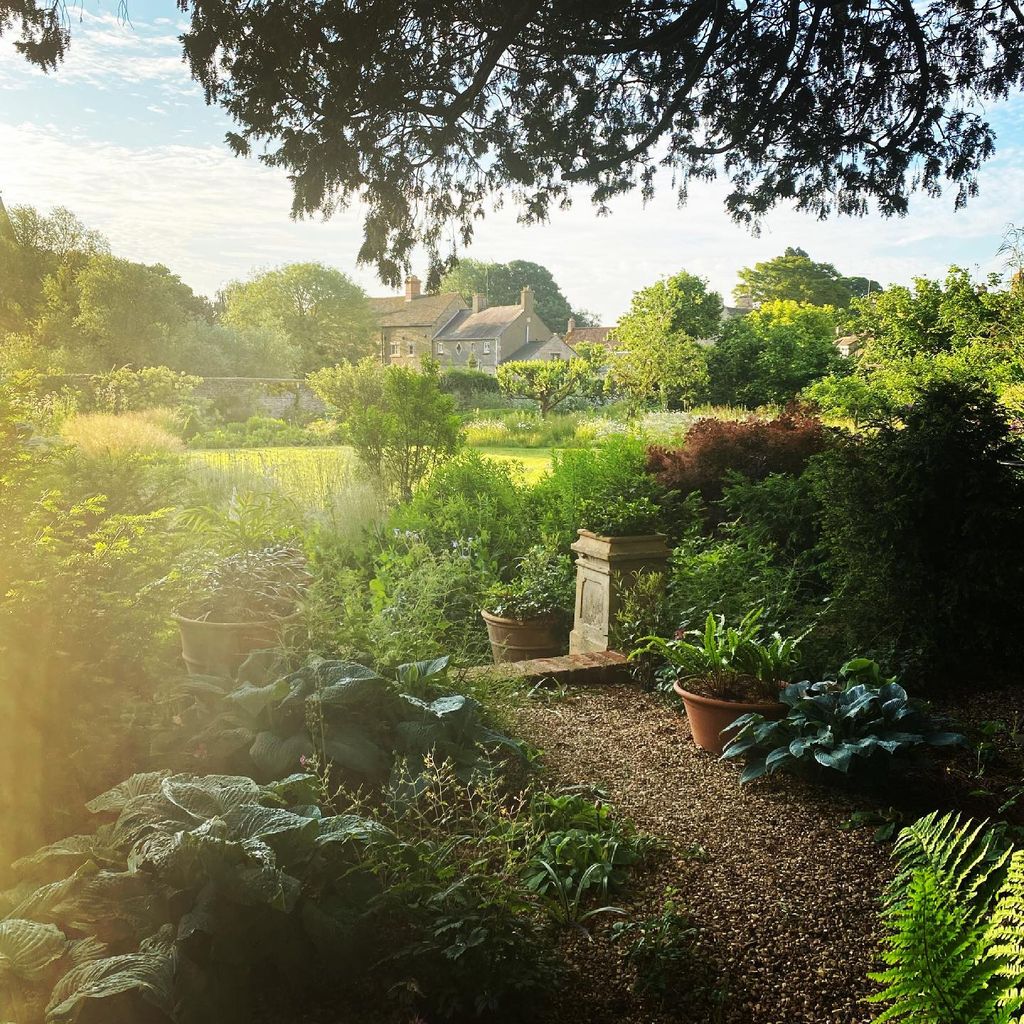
(425, 603)
(543, 586)
(613, 471)
(856, 725)
(129, 390)
(923, 537)
(263, 432)
(473, 499)
(621, 517)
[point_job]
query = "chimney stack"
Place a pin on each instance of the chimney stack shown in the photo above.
(526, 300)
(412, 288)
(571, 326)
(479, 302)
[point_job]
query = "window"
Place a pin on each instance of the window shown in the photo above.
(487, 348)
(458, 348)
(412, 349)
(472, 346)
(394, 348)
(440, 349)
(556, 355)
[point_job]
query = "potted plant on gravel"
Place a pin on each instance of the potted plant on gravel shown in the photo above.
(526, 618)
(618, 542)
(240, 605)
(725, 673)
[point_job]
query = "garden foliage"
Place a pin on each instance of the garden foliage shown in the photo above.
(856, 725)
(955, 921)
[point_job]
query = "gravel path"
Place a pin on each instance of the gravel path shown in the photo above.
(786, 902)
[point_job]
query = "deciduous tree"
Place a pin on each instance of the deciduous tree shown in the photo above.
(547, 382)
(398, 420)
(795, 277)
(324, 314)
(503, 282)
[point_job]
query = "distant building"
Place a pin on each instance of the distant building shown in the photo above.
(480, 336)
(589, 335)
(849, 345)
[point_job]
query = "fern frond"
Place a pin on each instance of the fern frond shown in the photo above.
(939, 969)
(1005, 935)
(970, 859)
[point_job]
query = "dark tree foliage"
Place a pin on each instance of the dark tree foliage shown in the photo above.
(715, 449)
(923, 531)
(427, 109)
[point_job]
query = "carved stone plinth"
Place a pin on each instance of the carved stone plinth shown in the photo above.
(607, 568)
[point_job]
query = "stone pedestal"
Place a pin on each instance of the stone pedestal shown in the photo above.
(607, 568)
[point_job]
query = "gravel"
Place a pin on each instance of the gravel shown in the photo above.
(785, 902)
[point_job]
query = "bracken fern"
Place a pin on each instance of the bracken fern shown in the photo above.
(955, 952)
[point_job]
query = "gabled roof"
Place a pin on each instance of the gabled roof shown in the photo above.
(590, 335)
(424, 310)
(491, 322)
(527, 351)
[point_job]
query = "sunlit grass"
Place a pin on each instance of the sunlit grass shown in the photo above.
(104, 433)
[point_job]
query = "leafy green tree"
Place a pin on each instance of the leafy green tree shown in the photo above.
(667, 370)
(34, 247)
(681, 304)
(431, 112)
(323, 313)
(398, 420)
(796, 277)
(954, 330)
(772, 353)
(547, 382)
(502, 283)
(124, 313)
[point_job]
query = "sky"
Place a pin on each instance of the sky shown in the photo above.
(122, 136)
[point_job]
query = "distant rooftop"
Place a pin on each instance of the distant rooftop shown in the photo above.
(488, 323)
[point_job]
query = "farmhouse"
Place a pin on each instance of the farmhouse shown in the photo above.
(414, 326)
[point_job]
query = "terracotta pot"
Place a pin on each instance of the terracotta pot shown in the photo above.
(522, 639)
(219, 648)
(710, 718)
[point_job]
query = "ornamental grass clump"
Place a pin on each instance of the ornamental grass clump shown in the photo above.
(251, 586)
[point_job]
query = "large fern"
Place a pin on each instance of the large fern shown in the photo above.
(955, 952)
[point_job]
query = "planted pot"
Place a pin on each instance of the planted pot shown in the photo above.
(710, 718)
(523, 639)
(219, 648)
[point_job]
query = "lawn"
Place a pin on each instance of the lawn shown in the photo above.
(304, 473)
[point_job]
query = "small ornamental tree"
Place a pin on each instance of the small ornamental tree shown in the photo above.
(548, 383)
(399, 422)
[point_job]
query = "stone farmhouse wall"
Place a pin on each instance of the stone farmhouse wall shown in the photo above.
(281, 398)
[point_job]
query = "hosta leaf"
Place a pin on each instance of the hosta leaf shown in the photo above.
(358, 692)
(135, 987)
(209, 796)
(28, 948)
(295, 789)
(254, 700)
(777, 757)
(347, 828)
(116, 799)
(354, 751)
(61, 858)
(286, 833)
(276, 756)
(753, 770)
(263, 886)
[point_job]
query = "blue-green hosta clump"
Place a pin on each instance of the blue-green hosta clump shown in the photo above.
(271, 721)
(199, 891)
(857, 723)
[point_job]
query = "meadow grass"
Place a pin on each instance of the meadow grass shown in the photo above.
(106, 433)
